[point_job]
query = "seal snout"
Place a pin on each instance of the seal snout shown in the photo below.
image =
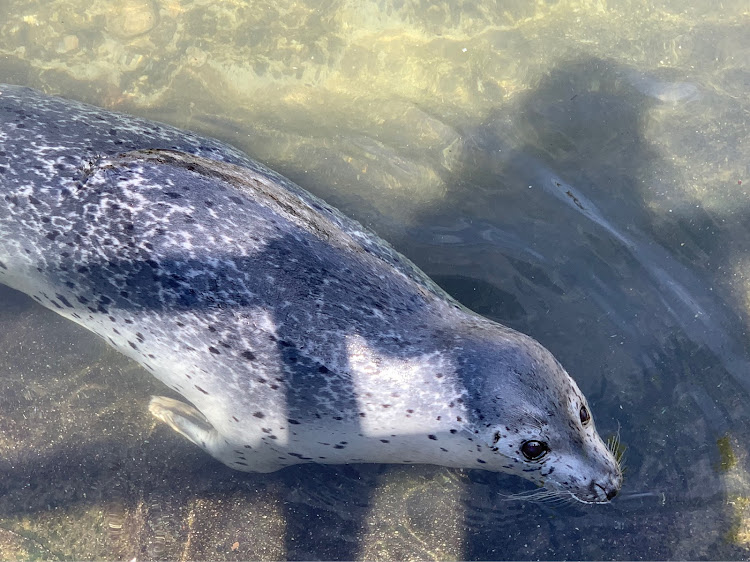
(606, 488)
(610, 490)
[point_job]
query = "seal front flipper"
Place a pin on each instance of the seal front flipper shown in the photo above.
(185, 420)
(193, 425)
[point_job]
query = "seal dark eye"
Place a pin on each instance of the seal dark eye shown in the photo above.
(534, 450)
(585, 416)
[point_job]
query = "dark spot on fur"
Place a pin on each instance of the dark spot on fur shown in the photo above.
(132, 345)
(384, 441)
(213, 350)
(454, 431)
(301, 457)
(63, 300)
(293, 422)
(259, 415)
(249, 355)
(432, 437)
(200, 389)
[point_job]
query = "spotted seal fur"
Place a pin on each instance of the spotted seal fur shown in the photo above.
(295, 334)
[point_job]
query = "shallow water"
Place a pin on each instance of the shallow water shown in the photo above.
(576, 170)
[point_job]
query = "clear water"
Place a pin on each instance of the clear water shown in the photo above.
(578, 170)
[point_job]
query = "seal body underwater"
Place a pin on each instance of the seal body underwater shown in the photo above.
(295, 334)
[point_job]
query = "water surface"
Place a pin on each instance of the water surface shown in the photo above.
(577, 170)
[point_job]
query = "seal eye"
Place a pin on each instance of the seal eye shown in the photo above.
(534, 450)
(585, 416)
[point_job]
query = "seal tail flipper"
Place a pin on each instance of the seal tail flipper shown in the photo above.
(184, 419)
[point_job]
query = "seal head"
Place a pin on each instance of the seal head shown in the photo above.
(533, 416)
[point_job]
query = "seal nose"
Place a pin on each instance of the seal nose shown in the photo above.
(609, 490)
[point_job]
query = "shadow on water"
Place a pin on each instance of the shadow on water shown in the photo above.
(559, 242)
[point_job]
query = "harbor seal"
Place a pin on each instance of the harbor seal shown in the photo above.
(295, 334)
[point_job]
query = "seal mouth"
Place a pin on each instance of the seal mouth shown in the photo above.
(609, 493)
(599, 491)
(602, 491)
(595, 494)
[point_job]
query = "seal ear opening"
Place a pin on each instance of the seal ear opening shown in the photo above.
(184, 419)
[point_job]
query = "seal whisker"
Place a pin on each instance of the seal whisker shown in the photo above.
(615, 447)
(541, 495)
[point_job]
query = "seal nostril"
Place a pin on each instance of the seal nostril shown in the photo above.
(608, 492)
